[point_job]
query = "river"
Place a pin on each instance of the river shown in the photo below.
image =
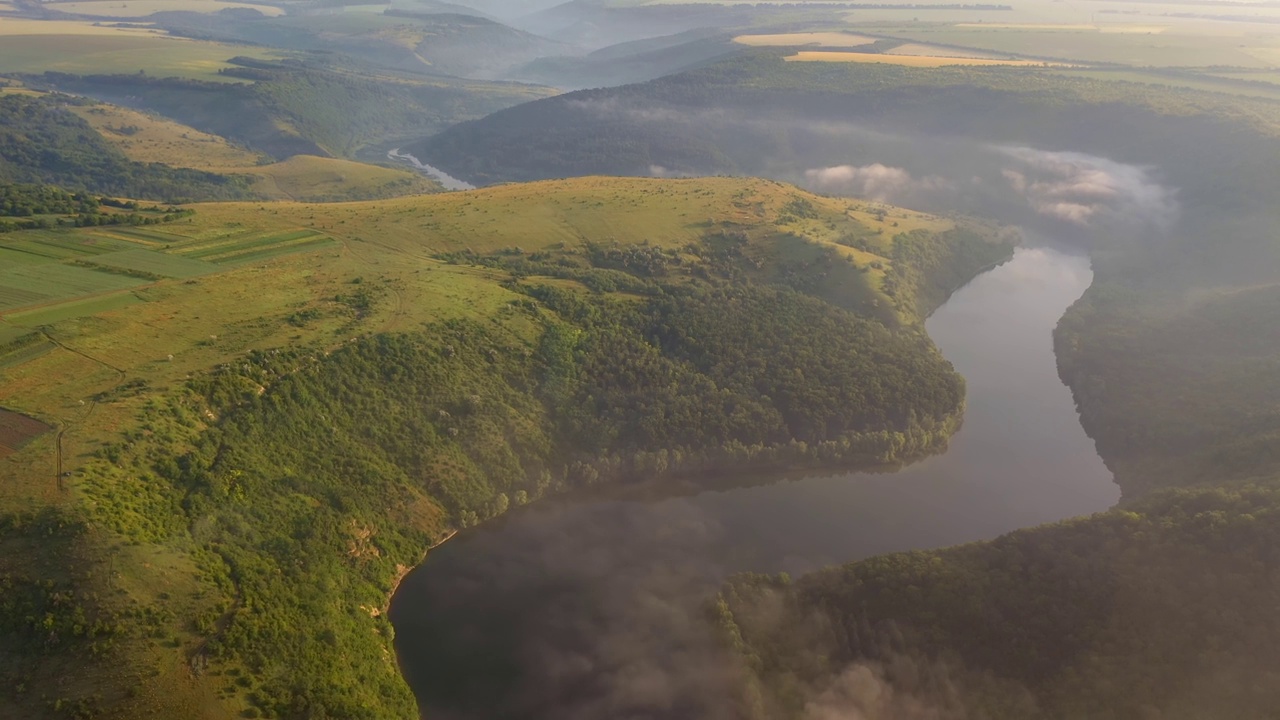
(448, 181)
(590, 608)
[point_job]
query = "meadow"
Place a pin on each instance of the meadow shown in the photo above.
(148, 137)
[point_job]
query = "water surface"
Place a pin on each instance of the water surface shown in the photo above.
(448, 181)
(590, 608)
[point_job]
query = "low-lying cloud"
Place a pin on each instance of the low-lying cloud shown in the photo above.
(862, 692)
(1082, 189)
(1075, 189)
(874, 182)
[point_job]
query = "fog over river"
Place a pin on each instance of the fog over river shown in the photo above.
(588, 608)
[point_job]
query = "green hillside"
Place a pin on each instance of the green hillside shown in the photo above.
(320, 106)
(208, 521)
(42, 141)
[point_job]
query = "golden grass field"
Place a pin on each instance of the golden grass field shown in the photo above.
(1117, 28)
(308, 178)
(34, 46)
(152, 138)
(921, 61)
(823, 39)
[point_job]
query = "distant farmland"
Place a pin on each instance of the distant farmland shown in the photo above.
(923, 61)
(49, 268)
(36, 46)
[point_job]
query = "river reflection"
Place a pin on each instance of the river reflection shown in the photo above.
(591, 608)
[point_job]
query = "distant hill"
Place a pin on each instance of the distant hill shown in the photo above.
(424, 41)
(320, 107)
(594, 25)
(630, 62)
(43, 142)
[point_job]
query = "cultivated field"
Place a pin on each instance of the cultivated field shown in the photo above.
(16, 430)
(49, 269)
(34, 46)
(1139, 44)
(924, 61)
(922, 50)
(822, 39)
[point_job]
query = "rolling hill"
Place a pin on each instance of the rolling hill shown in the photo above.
(247, 422)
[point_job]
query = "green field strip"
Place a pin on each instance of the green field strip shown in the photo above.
(195, 245)
(56, 281)
(143, 235)
(38, 249)
(253, 242)
(278, 250)
(13, 298)
(10, 257)
(70, 310)
(156, 263)
(85, 246)
(8, 333)
(209, 245)
(63, 245)
(23, 354)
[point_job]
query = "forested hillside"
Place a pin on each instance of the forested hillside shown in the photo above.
(1160, 610)
(321, 106)
(42, 142)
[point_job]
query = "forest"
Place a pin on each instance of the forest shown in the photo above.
(1159, 609)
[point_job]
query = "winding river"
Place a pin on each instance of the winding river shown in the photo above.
(589, 608)
(446, 180)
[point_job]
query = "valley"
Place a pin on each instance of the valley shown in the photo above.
(933, 377)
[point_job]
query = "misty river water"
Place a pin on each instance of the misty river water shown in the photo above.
(589, 607)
